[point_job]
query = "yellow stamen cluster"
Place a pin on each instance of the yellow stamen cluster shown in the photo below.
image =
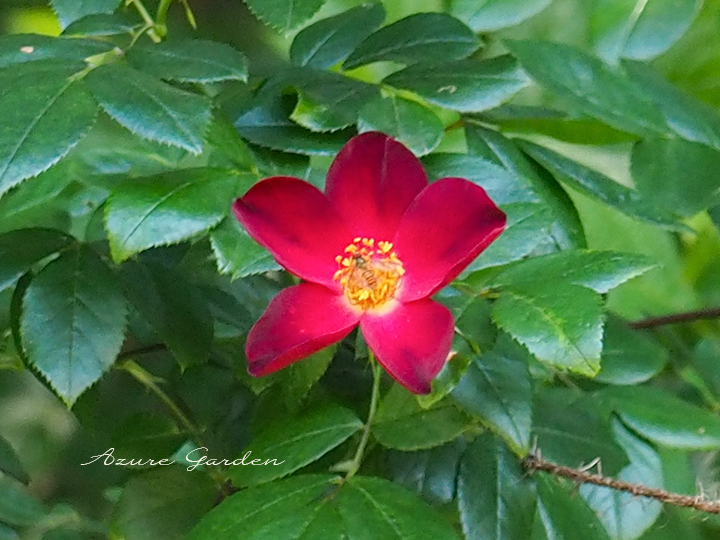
(369, 273)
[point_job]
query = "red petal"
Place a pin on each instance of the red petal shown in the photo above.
(299, 321)
(411, 341)
(372, 181)
(297, 224)
(443, 230)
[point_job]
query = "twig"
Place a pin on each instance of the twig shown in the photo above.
(687, 316)
(535, 463)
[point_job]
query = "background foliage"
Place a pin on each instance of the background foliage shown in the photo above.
(127, 290)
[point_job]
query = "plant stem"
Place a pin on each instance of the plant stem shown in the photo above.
(149, 22)
(374, 398)
(688, 316)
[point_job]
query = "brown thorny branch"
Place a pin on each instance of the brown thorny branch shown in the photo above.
(533, 462)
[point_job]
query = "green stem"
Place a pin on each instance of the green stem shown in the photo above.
(374, 398)
(161, 17)
(149, 22)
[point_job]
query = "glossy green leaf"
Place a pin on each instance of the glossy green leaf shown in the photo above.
(563, 515)
(665, 419)
(163, 504)
(401, 423)
(167, 209)
(284, 15)
(488, 15)
(496, 499)
(150, 108)
(297, 379)
(10, 464)
(706, 359)
(677, 175)
(174, 308)
(414, 125)
(44, 115)
(73, 321)
(17, 505)
(629, 356)
(69, 11)
(101, 24)
(326, 42)
(642, 31)
(463, 85)
(294, 444)
(20, 249)
(496, 389)
(589, 86)
(21, 48)
(625, 516)
(601, 187)
(570, 431)
(561, 325)
(237, 254)
(422, 37)
(190, 60)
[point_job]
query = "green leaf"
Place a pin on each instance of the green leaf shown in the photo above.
(22, 48)
(496, 389)
(147, 436)
(8, 533)
(69, 11)
(297, 379)
(10, 464)
(629, 356)
(625, 516)
(463, 85)
(44, 115)
(167, 208)
(488, 15)
(237, 254)
(414, 125)
(190, 60)
(600, 187)
(73, 321)
(665, 419)
(163, 504)
(294, 444)
(677, 175)
(326, 42)
(284, 15)
(589, 86)
(422, 37)
(149, 108)
(21, 249)
(174, 308)
(642, 31)
(562, 514)
(402, 424)
(571, 432)
(17, 505)
(561, 325)
(496, 499)
(101, 25)
(705, 359)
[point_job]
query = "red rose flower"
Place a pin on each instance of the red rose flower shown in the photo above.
(372, 249)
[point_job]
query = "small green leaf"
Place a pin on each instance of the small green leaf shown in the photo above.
(44, 115)
(294, 444)
(163, 504)
(20, 249)
(488, 15)
(147, 436)
(73, 321)
(414, 125)
(297, 379)
(101, 25)
(422, 37)
(69, 11)
(562, 325)
(463, 85)
(496, 499)
(326, 42)
(589, 86)
(237, 254)
(17, 505)
(150, 108)
(190, 60)
(10, 464)
(284, 15)
(665, 419)
(705, 359)
(402, 424)
(21, 48)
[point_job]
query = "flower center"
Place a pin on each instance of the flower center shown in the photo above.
(369, 272)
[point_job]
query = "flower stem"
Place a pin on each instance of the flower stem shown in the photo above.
(374, 398)
(149, 22)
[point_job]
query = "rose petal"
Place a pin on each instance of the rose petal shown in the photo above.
(297, 224)
(443, 230)
(299, 321)
(411, 341)
(372, 181)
